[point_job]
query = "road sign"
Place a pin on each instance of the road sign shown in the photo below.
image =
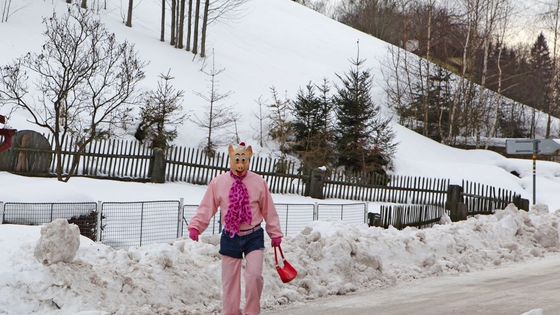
(530, 146)
(533, 147)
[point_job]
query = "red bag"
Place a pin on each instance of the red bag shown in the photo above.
(287, 273)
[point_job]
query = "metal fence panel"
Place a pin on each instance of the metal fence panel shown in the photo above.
(354, 213)
(294, 217)
(44, 212)
(139, 223)
(215, 226)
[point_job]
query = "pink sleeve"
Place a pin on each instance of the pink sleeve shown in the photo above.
(270, 215)
(205, 211)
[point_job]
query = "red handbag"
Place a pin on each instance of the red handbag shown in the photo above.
(287, 272)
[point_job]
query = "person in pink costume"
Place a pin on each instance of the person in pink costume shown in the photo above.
(245, 201)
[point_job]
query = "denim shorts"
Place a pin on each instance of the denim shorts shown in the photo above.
(240, 246)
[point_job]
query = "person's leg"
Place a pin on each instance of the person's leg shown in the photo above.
(253, 281)
(231, 285)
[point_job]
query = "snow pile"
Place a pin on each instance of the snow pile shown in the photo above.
(331, 258)
(59, 242)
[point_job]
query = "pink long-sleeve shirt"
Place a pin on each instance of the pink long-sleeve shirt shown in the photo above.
(260, 201)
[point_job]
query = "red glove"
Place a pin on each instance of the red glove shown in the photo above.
(276, 241)
(193, 234)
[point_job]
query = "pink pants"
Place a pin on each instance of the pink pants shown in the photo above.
(231, 283)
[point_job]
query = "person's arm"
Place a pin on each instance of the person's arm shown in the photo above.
(270, 215)
(206, 210)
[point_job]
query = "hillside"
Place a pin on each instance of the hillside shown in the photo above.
(276, 43)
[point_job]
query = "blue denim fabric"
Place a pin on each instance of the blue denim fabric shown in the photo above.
(238, 246)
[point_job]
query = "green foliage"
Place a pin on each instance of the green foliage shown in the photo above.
(364, 140)
(312, 126)
(438, 100)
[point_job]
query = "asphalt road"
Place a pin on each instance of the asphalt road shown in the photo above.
(513, 289)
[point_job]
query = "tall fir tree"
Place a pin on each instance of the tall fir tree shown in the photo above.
(540, 78)
(364, 140)
(312, 126)
(439, 100)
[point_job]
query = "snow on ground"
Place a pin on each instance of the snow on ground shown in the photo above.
(183, 277)
(264, 47)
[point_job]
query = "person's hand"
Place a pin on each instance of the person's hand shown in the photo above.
(276, 241)
(193, 234)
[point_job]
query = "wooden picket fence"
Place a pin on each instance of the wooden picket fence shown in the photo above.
(423, 198)
(485, 199)
(401, 216)
(389, 188)
(115, 159)
(195, 166)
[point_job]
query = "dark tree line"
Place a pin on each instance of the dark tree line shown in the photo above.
(462, 42)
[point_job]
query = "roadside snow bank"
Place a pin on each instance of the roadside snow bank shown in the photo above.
(331, 258)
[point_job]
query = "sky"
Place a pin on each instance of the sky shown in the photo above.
(332, 257)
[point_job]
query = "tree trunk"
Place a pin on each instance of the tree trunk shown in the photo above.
(181, 24)
(426, 94)
(555, 83)
(189, 24)
(173, 20)
(129, 16)
(162, 34)
(84, 4)
(204, 26)
(196, 18)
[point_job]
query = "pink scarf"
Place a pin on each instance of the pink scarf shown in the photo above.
(238, 211)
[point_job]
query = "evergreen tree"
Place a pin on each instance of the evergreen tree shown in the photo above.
(439, 100)
(364, 140)
(311, 126)
(540, 78)
(161, 113)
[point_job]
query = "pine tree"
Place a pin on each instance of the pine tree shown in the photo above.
(161, 113)
(439, 100)
(364, 141)
(540, 78)
(312, 126)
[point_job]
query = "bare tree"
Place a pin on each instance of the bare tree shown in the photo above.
(217, 116)
(6, 11)
(162, 33)
(279, 123)
(84, 79)
(181, 24)
(173, 30)
(196, 19)
(505, 9)
(189, 26)
(551, 18)
(161, 114)
(261, 118)
(129, 13)
(204, 27)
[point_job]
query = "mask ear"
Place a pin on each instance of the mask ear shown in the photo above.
(230, 150)
(249, 151)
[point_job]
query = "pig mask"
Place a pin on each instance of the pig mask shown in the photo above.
(239, 158)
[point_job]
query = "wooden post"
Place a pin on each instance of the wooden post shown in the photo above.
(455, 203)
(317, 183)
(521, 203)
(157, 166)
